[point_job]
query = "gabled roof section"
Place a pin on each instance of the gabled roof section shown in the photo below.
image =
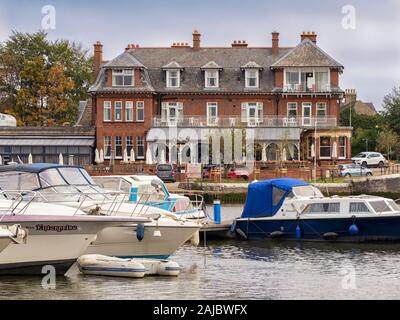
(124, 60)
(172, 65)
(251, 65)
(211, 65)
(307, 54)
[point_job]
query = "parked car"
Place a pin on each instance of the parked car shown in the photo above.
(354, 170)
(239, 173)
(166, 172)
(370, 159)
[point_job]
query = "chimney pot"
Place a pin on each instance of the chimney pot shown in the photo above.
(309, 35)
(196, 40)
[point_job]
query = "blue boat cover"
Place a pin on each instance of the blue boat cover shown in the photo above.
(264, 198)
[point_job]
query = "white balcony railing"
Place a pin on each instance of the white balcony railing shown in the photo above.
(276, 122)
(304, 88)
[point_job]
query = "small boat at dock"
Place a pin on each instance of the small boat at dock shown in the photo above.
(290, 209)
(94, 264)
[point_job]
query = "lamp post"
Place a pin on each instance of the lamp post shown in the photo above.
(315, 149)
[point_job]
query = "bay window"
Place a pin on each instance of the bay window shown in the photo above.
(251, 76)
(122, 77)
(325, 147)
(173, 79)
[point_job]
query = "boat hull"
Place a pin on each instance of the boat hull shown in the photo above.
(379, 228)
(123, 242)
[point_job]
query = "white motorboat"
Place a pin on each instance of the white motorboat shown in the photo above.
(188, 206)
(11, 234)
(134, 268)
(73, 187)
(53, 239)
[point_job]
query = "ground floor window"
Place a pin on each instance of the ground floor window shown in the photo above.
(272, 152)
(140, 147)
(118, 147)
(129, 145)
(107, 146)
(325, 147)
(342, 147)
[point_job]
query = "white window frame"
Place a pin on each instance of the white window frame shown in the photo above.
(107, 105)
(137, 147)
(105, 145)
(212, 121)
(165, 112)
(207, 74)
(178, 78)
(115, 111)
(123, 73)
(129, 110)
(330, 148)
(129, 146)
(289, 87)
(245, 113)
(115, 147)
(342, 146)
(247, 77)
(309, 119)
(318, 108)
(139, 105)
(290, 107)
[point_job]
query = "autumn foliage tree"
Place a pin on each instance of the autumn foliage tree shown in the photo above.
(42, 82)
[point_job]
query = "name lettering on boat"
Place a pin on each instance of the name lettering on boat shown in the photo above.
(47, 228)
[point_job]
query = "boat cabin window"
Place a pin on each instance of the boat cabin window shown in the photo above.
(307, 191)
(277, 195)
(330, 207)
(356, 207)
(108, 183)
(73, 176)
(380, 206)
(51, 177)
(15, 181)
(394, 205)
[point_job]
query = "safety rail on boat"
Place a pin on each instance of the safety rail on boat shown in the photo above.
(113, 199)
(16, 198)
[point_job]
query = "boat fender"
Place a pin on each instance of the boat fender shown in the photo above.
(298, 232)
(277, 234)
(241, 233)
(140, 231)
(168, 268)
(353, 229)
(195, 239)
(233, 226)
(330, 235)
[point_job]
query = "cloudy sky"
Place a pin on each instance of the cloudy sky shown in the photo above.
(370, 52)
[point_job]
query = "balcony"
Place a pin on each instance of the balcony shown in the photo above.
(301, 88)
(236, 122)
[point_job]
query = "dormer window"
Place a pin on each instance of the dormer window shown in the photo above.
(122, 77)
(211, 78)
(252, 78)
(173, 78)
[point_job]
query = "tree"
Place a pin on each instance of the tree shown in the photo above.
(388, 141)
(391, 106)
(37, 74)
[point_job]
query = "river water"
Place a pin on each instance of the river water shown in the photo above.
(242, 270)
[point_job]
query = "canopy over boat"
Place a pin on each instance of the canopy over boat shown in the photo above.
(264, 198)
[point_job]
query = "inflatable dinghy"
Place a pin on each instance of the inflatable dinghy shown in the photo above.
(95, 264)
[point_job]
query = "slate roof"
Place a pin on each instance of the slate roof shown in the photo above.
(230, 61)
(307, 54)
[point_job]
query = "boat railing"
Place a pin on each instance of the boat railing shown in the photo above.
(16, 203)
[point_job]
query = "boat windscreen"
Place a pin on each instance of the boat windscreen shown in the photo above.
(51, 177)
(307, 191)
(73, 176)
(18, 181)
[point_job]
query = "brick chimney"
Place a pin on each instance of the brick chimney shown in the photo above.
(239, 44)
(350, 95)
(98, 58)
(310, 35)
(196, 40)
(275, 42)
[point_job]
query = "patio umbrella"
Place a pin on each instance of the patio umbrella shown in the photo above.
(312, 151)
(264, 153)
(97, 156)
(334, 150)
(101, 156)
(149, 159)
(132, 155)
(60, 159)
(125, 157)
(30, 158)
(284, 158)
(1, 160)
(162, 156)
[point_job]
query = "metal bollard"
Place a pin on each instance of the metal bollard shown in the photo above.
(217, 211)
